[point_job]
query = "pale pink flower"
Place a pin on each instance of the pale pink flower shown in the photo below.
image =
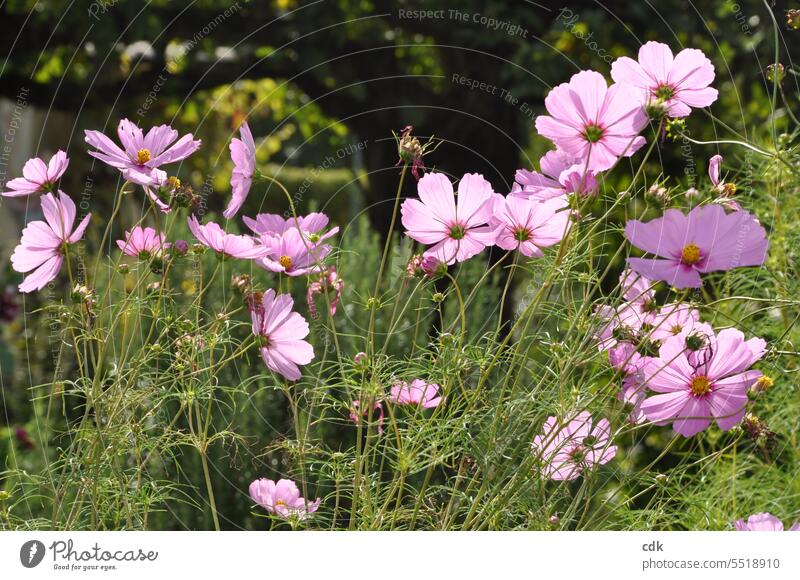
(418, 392)
(282, 498)
(705, 240)
(694, 387)
(294, 253)
(590, 120)
(567, 449)
(674, 320)
(270, 223)
(680, 83)
(528, 225)
(281, 332)
(456, 228)
(38, 177)
(143, 243)
(224, 244)
(560, 175)
(243, 155)
(328, 282)
(763, 522)
(44, 243)
(141, 154)
(159, 183)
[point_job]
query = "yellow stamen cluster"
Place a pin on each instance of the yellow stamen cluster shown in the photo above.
(285, 261)
(143, 156)
(690, 254)
(700, 386)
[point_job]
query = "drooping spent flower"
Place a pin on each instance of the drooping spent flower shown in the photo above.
(281, 332)
(568, 448)
(357, 414)
(704, 240)
(38, 177)
(458, 228)
(327, 283)
(282, 498)
(679, 83)
(44, 243)
(591, 121)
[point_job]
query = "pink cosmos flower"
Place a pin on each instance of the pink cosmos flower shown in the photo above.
(294, 253)
(528, 226)
(160, 183)
(282, 498)
(214, 237)
(417, 393)
(561, 175)
(694, 387)
(763, 522)
(674, 320)
(589, 119)
(705, 240)
(140, 153)
(270, 223)
(38, 177)
(243, 154)
(329, 281)
(142, 243)
(457, 229)
(680, 83)
(567, 449)
(281, 332)
(44, 243)
(357, 414)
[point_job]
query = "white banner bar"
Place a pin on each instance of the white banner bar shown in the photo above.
(401, 555)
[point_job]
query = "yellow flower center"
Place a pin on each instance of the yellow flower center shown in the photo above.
(143, 156)
(700, 386)
(173, 182)
(285, 261)
(690, 254)
(763, 383)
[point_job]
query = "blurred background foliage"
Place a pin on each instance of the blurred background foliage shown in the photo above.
(323, 84)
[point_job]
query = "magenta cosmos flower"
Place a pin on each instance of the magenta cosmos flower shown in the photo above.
(567, 449)
(695, 386)
(224, 244)
(38, 177)
(528, 225)
(560, 175)
(458, 229)
(282, 498)
(281, 333)
(680, 83)
(763, 522)
(141, 154)
(243, 155)
(142, 243)
(705, 240)
(418, 392)
(590, 120)
(44, 243)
